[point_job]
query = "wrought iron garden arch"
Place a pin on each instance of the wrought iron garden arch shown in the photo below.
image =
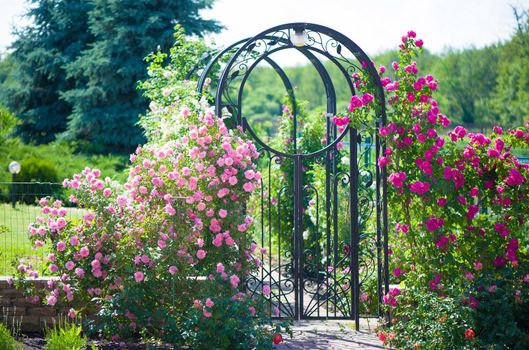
(324, 278)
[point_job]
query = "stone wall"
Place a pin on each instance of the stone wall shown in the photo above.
(14, 307)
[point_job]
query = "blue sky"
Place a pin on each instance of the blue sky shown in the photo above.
(376, 25)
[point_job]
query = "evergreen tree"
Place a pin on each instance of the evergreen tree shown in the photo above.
(466, 81)
(57, 34)
(509, 105)
(106, 108)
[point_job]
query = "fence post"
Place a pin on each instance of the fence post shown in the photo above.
(13, 195)
(14, 169)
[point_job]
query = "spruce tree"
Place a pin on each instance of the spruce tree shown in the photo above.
(107, 106)
(57, 34)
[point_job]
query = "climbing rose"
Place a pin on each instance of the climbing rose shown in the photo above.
(356, 102)
(382, 337)
(201, 254)
(84, 252)
(266, 290)
(234, 281)
(138, 276)
(469, 333)
(277, 338)
(61, 246)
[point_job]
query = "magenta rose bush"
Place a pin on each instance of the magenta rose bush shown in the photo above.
(167, 253)
(458, 205)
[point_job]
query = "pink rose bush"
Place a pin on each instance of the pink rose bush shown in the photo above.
(166, 253)
(462, 199)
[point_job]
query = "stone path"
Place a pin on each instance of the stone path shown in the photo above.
(331, 335)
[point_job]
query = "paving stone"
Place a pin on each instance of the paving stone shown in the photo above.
(330, 335)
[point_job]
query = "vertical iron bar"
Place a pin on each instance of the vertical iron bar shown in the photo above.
(334, 153)
(353, 214)
(367, 151)
(379, 227)
(335, 236)
(173, 277)
(385, 228)
(295, 132)
(262, 267)
(270, 237)
(318, 250)
(298, 195)
(328, 215)
(278, 243)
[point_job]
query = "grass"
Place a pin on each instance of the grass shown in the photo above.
(15, 242)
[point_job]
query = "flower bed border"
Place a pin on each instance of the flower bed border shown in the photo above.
(27, 316)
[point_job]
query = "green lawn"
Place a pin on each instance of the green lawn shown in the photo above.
(15, 243)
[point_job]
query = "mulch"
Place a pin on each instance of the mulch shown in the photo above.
(37, 342)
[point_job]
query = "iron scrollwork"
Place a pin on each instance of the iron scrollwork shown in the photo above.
(334, 241)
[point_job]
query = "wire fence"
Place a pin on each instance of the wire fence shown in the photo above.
(18, 208)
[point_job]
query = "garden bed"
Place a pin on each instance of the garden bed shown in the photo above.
(35, 341)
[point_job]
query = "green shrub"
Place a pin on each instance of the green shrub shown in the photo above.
(7, 122)
(63, 156)
(36, 169)
(425, 321)
(7, 341)
(231, 326)
(65, 336)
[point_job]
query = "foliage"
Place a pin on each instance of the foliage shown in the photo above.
(509, 101)
(60, 159)
(7, 341)
(35, 169)
(458, 73)
(7, 123)
(54, 68)
(57, 33)
(165, 76)
(458, 216)
(169, 244)
(106, 106)
(73, 69)
(67, 335)
(427, 321)
(66, 161)
(231, 328)
(478, 86)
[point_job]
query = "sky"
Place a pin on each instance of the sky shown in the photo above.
(375, 25)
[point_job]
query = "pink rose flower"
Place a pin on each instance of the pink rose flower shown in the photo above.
(209, 303)
(220, 268)
(51, 300)
(61, 246)
(84, 252)
(74, 241)
(234, 281)
(69, 265)
(266, 290)
(139, 276)
(201, 254)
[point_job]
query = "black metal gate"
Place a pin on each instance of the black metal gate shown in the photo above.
(321, 215)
